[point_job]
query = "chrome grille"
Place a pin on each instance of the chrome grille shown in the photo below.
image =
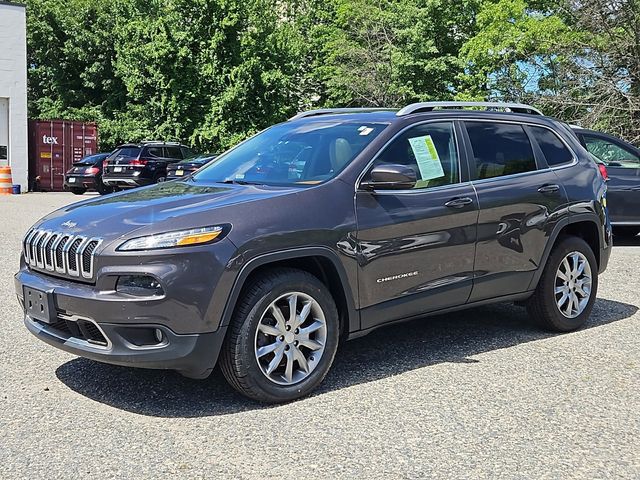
(71, 255)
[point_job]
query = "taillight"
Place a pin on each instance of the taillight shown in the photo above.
(92, 170)
(138, 162)
(105, 163)
(603, 171)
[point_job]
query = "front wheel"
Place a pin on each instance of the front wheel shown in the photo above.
(283, 337)
(78, 191)
(565, 294)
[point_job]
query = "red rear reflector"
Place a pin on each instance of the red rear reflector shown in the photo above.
(603, 171)
(92, 170)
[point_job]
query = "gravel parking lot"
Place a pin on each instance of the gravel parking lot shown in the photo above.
(476, 394)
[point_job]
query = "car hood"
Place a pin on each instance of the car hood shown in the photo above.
(163, 207)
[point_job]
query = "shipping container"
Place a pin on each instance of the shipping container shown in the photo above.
(53, 147)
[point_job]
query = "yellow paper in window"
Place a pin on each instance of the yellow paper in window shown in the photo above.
(427, 157)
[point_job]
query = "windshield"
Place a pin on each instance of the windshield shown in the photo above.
(293, 153)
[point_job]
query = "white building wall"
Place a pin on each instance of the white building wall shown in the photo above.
(13, 86)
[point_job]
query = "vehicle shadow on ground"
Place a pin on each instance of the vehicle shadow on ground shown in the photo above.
(621, 241)
(386, 352)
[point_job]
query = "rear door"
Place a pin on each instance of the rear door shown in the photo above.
(520, 199)
(623, 166)
(416, 247)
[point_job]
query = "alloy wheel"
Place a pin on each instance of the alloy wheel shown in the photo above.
(290, 338)
(573, 284)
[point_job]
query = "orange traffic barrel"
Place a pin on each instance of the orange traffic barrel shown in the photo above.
(6, 185)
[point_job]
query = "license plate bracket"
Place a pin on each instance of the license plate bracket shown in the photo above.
(39, 304)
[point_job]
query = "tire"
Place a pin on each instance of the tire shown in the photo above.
(626, 231)
(78, 191)
(159, 178)
(543, 305)
(239, 357)
(102, 188)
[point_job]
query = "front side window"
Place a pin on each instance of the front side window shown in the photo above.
(429, 150)
(293, 153)
(610, 153)
(555, 152)
(500, 149)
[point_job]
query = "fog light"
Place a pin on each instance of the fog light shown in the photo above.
(139, 286)
(159, 335)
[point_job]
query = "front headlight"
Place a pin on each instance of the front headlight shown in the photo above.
(181, 238)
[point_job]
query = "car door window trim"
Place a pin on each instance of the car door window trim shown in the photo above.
(458, 145)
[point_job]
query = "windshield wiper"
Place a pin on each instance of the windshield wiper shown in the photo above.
(239, 182)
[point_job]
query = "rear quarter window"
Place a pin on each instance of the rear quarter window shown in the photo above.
(554, 150)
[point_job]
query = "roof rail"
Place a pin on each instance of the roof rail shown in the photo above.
(160, 142)
(430, 106)
(329, 111)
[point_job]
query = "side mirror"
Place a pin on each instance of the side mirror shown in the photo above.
(390, 177)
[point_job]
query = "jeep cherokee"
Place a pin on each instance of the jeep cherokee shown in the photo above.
(319, 229)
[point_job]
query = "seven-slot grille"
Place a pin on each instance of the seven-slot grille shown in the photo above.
(65, 254)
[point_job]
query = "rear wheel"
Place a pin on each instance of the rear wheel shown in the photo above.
(626, 231)
(78, 191)
(102, 188)
(564, 297)
(283, 337)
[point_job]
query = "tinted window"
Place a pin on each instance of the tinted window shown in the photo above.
(187, 152)
(304, 153)
(554, 150)
(125, 152)
(428, 149)
(612, 154)
(500, 149)
(91, 160)
(155, 152)
(173, 152)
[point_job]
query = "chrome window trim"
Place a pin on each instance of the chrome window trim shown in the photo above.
(392, 139)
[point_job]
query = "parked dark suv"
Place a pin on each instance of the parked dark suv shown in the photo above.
(134, 165)
(319, 229)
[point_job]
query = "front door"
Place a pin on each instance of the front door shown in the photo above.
(520, 199)
(416, 247)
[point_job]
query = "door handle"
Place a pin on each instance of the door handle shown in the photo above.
(550, 188)
(459, 202)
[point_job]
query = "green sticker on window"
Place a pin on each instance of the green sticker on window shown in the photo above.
(426, 157)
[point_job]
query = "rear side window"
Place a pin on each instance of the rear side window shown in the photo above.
(187, 152)
(500, 149)
(552, 147)
(174, 152)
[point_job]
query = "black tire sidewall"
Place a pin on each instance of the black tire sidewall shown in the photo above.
(290, 282)
(78, 191)
(557, 321)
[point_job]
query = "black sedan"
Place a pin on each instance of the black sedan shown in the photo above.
(622, 161)
(86, 174)
(188, 165)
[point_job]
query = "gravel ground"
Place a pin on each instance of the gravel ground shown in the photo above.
(478, 394)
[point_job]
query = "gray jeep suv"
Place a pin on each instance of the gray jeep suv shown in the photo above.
(320, 229)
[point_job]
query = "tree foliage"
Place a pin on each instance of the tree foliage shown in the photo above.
(211, 72)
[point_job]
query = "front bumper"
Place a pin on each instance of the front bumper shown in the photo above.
(128, 333)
